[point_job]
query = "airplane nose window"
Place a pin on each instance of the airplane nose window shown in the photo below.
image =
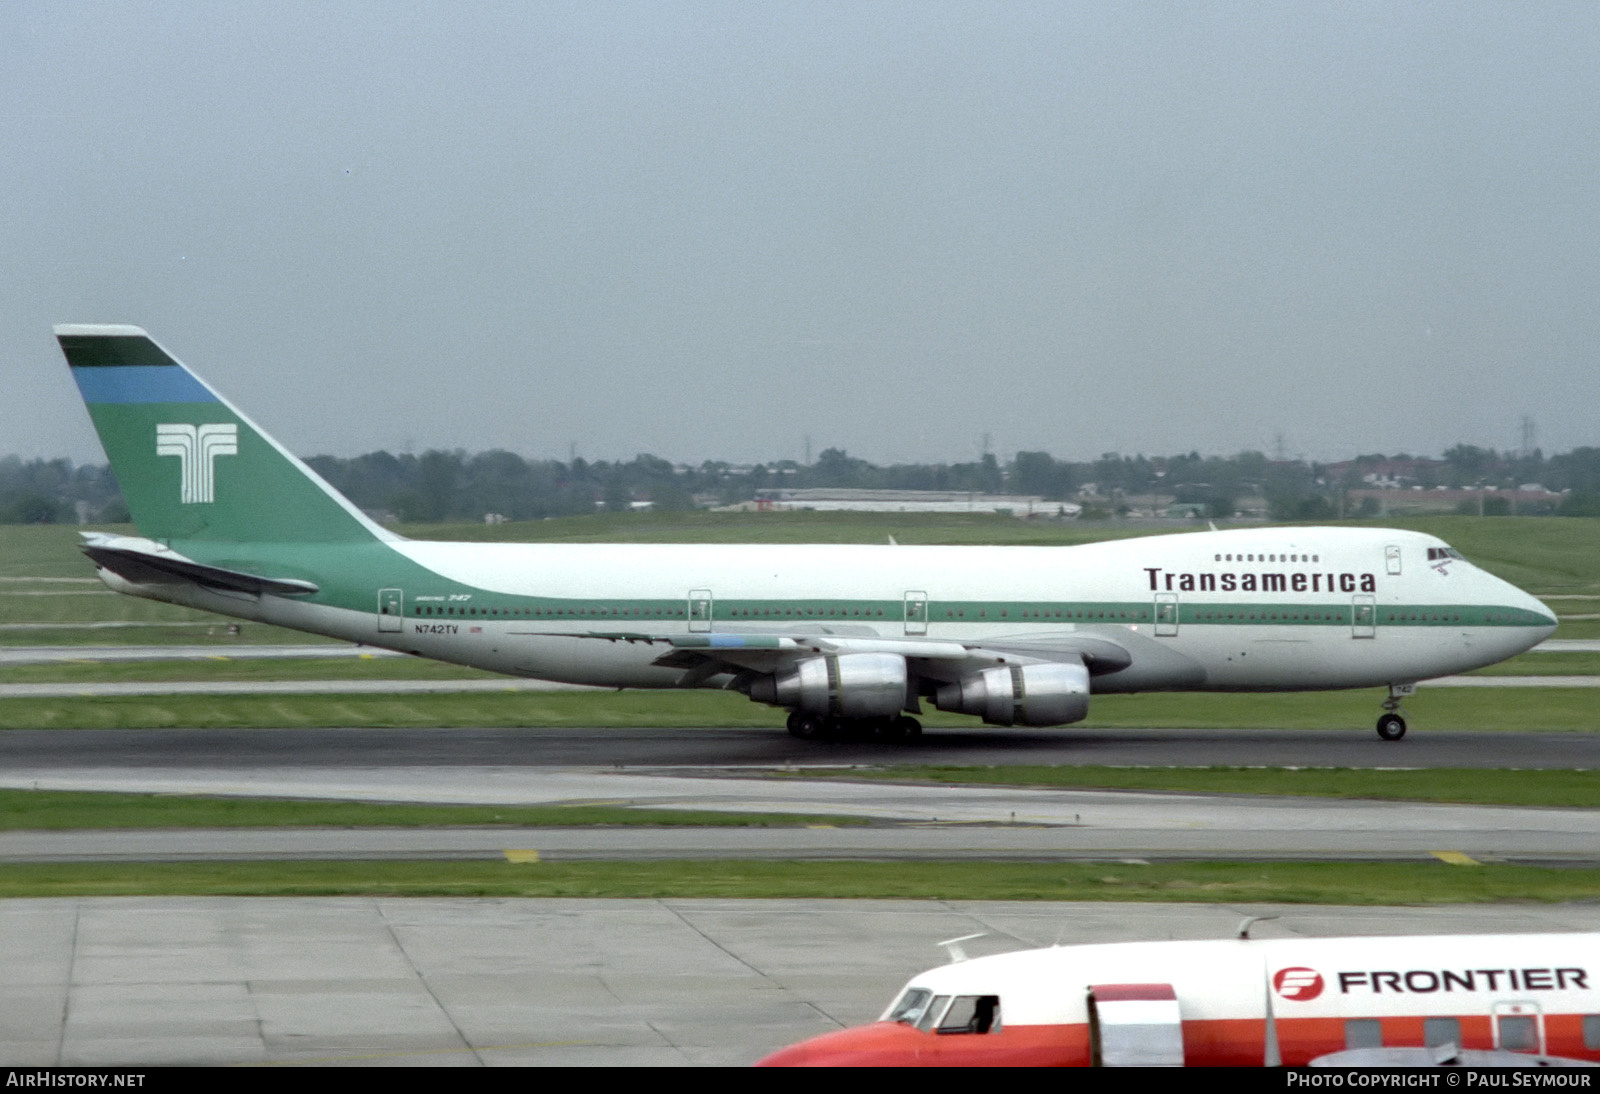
(934, 1012)
(909, 1007)
(972, 1014)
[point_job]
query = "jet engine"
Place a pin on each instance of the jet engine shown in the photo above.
(850, 685)
(1030, 695)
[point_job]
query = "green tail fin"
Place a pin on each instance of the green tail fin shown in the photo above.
(191, 466)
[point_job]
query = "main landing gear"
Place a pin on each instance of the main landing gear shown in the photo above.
(1391, 726)
(811, 727)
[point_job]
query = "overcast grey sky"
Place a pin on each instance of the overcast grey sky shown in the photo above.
(710, 230)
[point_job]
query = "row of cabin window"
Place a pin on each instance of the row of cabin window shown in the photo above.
(751, 613)
(1518, 1032)
(426, 610)
(1274, 617)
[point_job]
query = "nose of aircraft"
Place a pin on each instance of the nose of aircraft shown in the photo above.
(1547, 628)
(1519, 621)
(1537, 615)
(882, 1044)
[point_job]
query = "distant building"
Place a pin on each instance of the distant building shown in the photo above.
(1386, 474)
(1529, 496)
(830, 499)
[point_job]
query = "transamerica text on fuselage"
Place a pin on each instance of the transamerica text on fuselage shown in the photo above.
(1317, 582)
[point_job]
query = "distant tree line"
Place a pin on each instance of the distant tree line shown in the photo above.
(452, 486)
(56, 492)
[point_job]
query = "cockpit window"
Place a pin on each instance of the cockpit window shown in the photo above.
(934, 1012)
(972, 1014)
(1437, 553)
(909, 1007)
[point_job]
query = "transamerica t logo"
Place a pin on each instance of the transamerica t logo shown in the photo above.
(197, 447)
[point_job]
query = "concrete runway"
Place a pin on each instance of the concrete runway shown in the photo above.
(133, 982)
(340, 750)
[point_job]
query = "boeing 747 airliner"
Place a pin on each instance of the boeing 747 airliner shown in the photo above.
(847, 639)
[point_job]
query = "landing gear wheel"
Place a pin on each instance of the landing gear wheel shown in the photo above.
(807, 727)
(1391, 727)
(905, 728)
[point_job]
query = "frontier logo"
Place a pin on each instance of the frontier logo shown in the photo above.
(197, 447)
(1298, 985)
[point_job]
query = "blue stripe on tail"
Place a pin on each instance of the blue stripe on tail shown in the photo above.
(141, 384)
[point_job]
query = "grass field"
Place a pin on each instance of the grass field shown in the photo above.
(1546, 664)
(1545, 555)
(1551, 788)
(1220, 882)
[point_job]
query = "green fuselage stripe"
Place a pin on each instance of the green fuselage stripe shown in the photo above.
(725, 611)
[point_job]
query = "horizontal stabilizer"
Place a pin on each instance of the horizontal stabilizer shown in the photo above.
(140, 566)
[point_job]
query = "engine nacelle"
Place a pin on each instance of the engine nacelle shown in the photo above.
(1028, 695)
(850, 685)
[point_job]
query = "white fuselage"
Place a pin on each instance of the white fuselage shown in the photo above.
(1245, 610)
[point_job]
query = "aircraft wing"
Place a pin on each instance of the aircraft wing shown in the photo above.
(143, 561)
(935, 658)
(1447, 1055)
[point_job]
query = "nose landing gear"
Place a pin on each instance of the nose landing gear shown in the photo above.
(1391, 726)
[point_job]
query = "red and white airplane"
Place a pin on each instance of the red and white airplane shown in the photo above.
(1476, 999)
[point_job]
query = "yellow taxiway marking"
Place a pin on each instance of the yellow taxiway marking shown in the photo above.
(1456, 858)
(528, 855)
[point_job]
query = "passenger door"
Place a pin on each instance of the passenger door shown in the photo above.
(916, 612)
(391, 607)
(1166, 615)
(699, 609)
